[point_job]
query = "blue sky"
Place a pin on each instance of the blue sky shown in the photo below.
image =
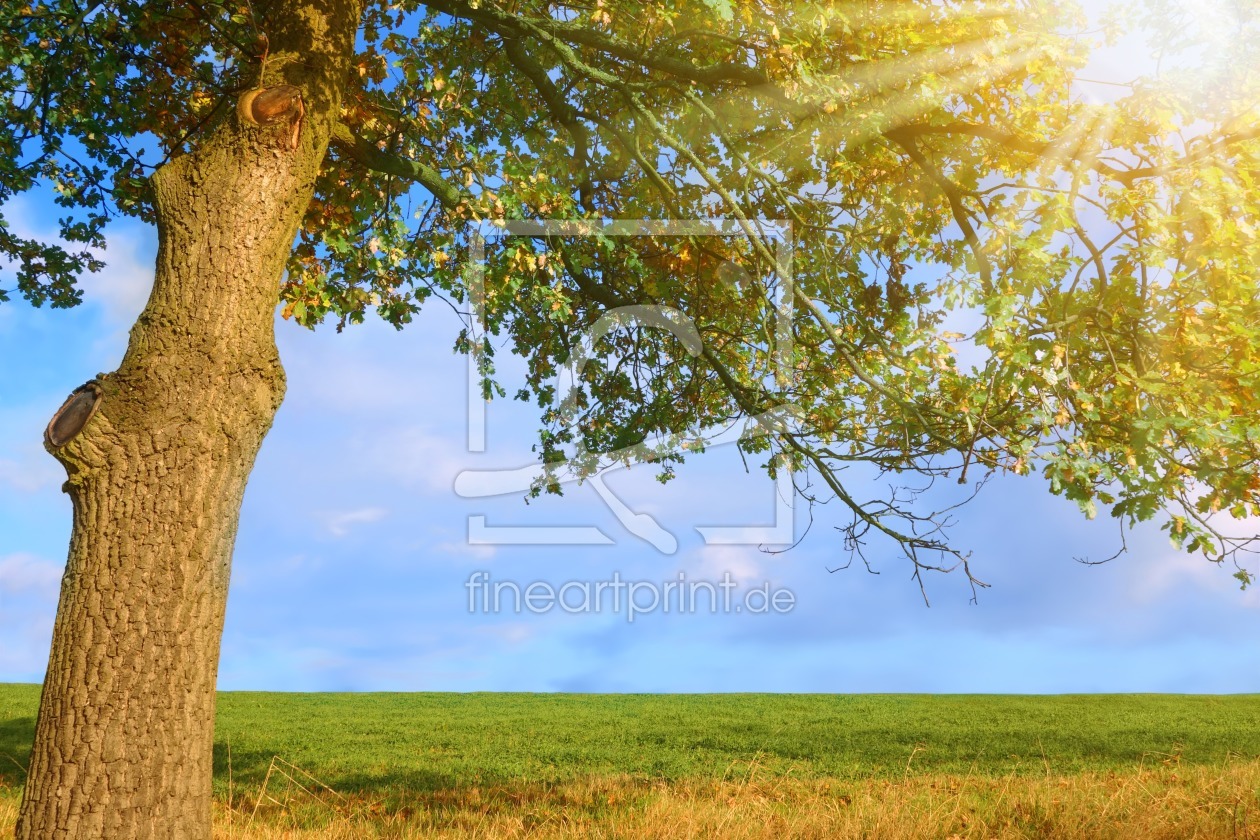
(353, 556)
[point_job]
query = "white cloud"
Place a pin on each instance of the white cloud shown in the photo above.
(466, 549)
(513, 633)
(26, 573)
(745, 564)
(372, 370)
(416, 457)
(347, 378)
(30, 475)
(1170, 575)
(24, 465)
(122, 287)
(339, 524)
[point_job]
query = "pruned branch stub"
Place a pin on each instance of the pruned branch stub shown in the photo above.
(74, 414)
(274, 106)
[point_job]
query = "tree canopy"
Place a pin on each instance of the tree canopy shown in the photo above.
(987, 270)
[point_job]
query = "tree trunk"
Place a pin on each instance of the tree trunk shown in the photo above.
(124, 738)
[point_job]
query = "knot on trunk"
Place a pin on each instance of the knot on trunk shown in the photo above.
(276, 105)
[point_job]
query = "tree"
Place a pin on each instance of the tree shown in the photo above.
(337, 155)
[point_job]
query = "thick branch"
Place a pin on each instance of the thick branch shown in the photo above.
(561, 111)
(954, 196)
(367, 154)
(575, 33)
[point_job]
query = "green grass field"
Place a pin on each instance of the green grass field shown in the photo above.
(390, 749)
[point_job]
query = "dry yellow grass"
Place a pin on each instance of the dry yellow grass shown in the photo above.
(1165, 803)
(1169, 802)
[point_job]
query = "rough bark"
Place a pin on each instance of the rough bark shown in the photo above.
(124, 738)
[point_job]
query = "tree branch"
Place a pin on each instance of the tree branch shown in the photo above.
(575, 33)
(561, 111)
(1039, 148)
(954, 196)
(361, 151)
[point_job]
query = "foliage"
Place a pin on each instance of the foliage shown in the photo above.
(935, 162)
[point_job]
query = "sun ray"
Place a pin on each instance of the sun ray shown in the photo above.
(908, 106)
(898, 16)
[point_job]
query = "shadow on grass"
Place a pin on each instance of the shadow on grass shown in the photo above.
(16, 735)
(249, 769)
(246, 767)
